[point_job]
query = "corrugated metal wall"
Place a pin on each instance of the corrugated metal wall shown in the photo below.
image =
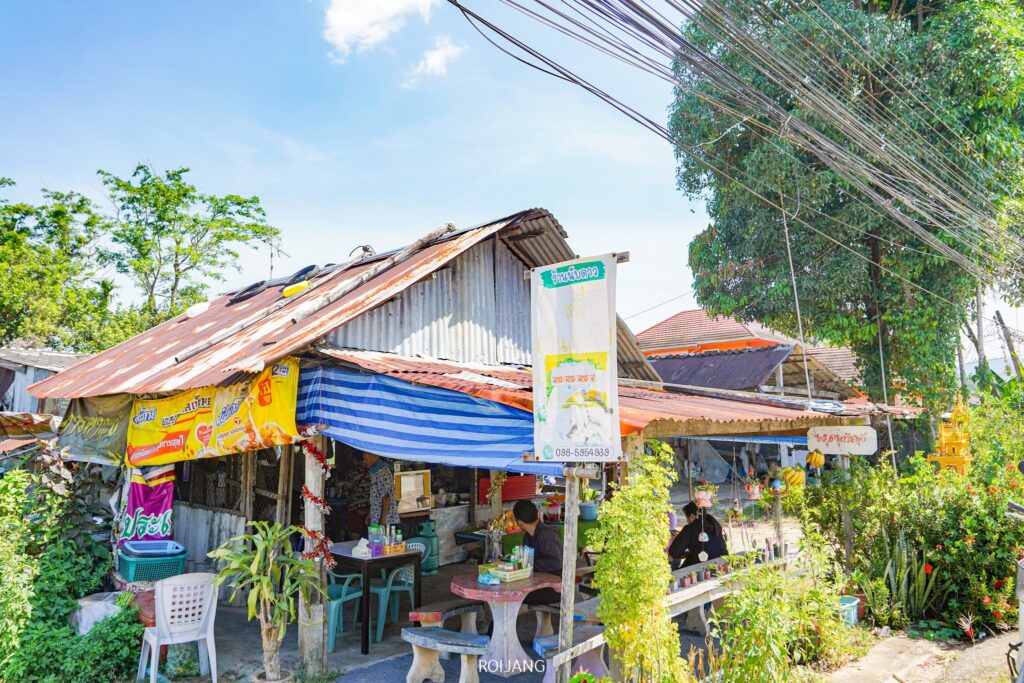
(471, 311)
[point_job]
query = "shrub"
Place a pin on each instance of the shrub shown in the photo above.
(633, 573)
(952, 526)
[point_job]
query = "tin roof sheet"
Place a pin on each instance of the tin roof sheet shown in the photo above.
(658, 413)
(264, 329)
(737, 369)
(40, 358)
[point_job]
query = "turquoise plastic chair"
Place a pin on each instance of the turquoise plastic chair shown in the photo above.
(341, 588)
(389, 591)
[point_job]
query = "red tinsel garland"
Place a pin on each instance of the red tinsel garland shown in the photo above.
(312, 451)
(321, 548)
(316, 500)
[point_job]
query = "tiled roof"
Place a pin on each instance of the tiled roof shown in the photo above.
(840, 360)
(690, 328)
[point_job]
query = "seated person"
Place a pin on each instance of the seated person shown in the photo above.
(686, 546)
(547, 549)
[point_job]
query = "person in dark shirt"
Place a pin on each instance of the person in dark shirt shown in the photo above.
(687, 545)
(547, 549)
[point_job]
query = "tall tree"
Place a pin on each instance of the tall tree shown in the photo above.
(172, 240)
(966, 59)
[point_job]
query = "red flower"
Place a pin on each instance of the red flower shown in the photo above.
(993, 488)
(938, 546)
(1013, 484)
(998, 584)
(928, 568)
(997, 615)
(986, 600)
(969, 632)
(968, 539)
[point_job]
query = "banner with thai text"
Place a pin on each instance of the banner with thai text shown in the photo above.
(575, 385)
(851, 440)
(214, 421)
(147, 515)
(96, 429)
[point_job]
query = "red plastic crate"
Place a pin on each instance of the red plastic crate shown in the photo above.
(515, 488)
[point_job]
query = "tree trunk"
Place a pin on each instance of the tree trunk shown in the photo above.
(271, 653)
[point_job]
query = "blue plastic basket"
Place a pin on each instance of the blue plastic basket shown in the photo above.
(134, 568)
(152, 548)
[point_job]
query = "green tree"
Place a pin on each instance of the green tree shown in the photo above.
(967, 60)
(172, 240)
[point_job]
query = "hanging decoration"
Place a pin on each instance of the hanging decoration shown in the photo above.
(321, 547)
(315, 500)
(311, 451)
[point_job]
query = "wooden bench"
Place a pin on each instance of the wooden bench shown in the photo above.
(428, 642)
(435, 614)
(697, 617)
(589, 640)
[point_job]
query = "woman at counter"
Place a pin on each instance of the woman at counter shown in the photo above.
(702, 533)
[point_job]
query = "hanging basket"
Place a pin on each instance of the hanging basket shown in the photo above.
(754, 492)
(703, 499)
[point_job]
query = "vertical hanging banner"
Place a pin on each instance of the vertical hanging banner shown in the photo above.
(214, 421)
(96, 429)
(147, 515)
(575, 385)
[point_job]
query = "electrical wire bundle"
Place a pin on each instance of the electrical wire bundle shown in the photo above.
(899, 161)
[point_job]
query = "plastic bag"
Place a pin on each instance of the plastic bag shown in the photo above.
(93, 609)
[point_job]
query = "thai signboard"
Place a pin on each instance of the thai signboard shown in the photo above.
(147, 515)
(852, 440)
(215, 421)
(96, 429)
(575, 387)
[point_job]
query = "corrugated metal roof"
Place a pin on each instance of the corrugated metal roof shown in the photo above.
(28, 425)
(739, 369)
(39, 358)
(658, 413)
(261, 333)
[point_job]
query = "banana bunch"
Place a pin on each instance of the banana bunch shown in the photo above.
(815, 459)
(794, 476)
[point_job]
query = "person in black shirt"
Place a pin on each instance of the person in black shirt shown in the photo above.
(547, 549)
(687, 544)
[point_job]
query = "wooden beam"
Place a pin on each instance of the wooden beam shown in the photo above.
(284, 484)
(312, 624)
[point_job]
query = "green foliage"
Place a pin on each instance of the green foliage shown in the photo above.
(777, 619)
(969, 58)
(633, 573)
(46, 565)
(171, 239)
(264, 564)
(954, 524)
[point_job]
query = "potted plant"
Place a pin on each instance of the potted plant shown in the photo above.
(589, 500)
(753, 488)
(264, 564)
(704, 493)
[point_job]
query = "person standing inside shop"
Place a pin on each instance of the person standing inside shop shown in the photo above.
(383, 506)
(356, 488)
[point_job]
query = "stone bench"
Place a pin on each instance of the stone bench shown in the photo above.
(428, 642)
(586, 653)
(435, 614)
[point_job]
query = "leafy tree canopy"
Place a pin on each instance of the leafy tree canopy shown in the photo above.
(168, 238)
(966, 60)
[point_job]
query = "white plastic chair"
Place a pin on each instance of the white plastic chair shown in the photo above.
(186, 606)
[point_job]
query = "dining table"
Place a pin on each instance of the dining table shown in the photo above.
(369, 568)
(505, 655)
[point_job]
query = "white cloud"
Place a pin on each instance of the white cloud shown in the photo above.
(362, 24)
(435, 61)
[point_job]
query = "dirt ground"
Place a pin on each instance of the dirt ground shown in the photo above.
(900, 659)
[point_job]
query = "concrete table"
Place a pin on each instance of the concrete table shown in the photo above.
(504, 655)
(367, 567)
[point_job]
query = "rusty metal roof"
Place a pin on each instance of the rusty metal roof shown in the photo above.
(217, 345)
(657, 413)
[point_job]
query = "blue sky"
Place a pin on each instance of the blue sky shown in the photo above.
(355, 121)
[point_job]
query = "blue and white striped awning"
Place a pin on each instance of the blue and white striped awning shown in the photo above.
(396, 419)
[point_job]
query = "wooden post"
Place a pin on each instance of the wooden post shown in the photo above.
(312, 625)
(568, 603)
(248, 484)
(1014, 358)
(284, 485)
